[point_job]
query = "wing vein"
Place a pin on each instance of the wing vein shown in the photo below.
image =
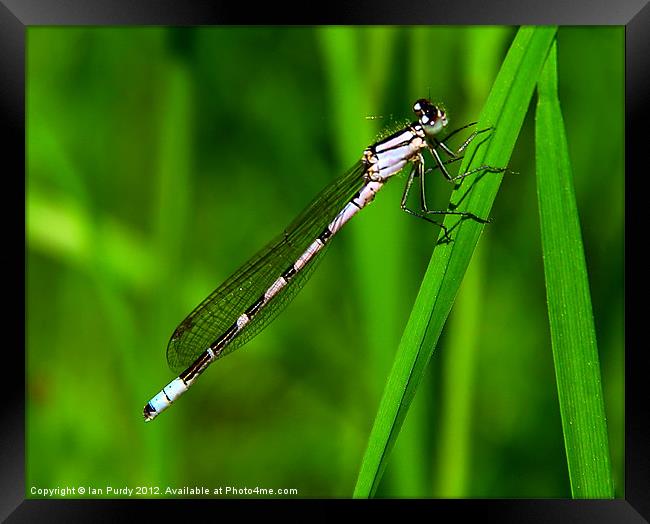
(214, 315)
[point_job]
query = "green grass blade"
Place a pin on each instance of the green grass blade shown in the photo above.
(573, 335)
(505, 110)
(457, 381)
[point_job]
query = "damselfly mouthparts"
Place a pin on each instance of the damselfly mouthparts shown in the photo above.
(245, 303)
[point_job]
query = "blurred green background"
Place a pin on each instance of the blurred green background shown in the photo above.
(160, 159)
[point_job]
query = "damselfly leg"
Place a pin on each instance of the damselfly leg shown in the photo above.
(457, 154)
(418, 171)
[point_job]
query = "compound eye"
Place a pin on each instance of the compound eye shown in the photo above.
(421, 106)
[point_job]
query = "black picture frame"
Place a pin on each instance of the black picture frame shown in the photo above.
(17, 15)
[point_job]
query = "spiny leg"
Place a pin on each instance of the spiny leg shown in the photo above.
(471, 137)
(484, 167)
(468, 140)
(418, 170)
(466, 214)
(427, 211)
(458, 130)
(456, 155)
(440, 164)
(472, 171)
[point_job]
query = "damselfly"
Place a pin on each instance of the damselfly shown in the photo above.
(245, 303)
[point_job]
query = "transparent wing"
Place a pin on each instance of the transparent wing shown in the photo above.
(212, 317)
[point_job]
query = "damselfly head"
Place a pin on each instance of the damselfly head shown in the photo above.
(432, 118)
